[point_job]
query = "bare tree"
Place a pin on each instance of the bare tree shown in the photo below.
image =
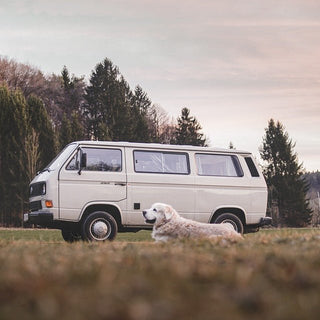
(161, 124)
(28, 79)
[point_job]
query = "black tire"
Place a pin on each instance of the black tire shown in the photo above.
(230, 218)
(70, 235)
(99, 226)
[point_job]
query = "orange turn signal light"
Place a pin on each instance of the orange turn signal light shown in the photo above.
(49, 203)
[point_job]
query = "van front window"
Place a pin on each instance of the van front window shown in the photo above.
(98, 159)
(60, 158)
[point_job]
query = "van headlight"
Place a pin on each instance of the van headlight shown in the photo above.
(37, 189)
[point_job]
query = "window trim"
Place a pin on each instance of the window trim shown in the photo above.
(97, 148)
(235, 162)
(186, 154)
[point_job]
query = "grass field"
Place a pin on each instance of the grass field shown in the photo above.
(273, 274)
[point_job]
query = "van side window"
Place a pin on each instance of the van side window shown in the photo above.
(161, 162)
(252, 168)
(218, 165)
(98, 159)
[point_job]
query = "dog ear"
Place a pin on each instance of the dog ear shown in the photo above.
(168, 212)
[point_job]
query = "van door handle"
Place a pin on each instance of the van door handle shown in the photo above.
(114, 183)
(120, 184)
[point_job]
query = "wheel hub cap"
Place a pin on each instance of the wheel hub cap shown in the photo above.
(231, 222)
(100, 229)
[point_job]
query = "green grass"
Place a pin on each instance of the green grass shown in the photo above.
(273, 274)
(45, 235)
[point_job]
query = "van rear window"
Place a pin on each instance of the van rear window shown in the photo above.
(161, 162)
(218, 165)
(252, 168)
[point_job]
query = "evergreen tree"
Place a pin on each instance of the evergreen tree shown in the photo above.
(140, 107)
(13, 176)
(283, 173)
(65, 132)
(38, 119)
(112, 111)
(73, 90)
(187, 131)
(77, 129)
(67, 83)
(123, 118)
(70, 130)
(102, 100)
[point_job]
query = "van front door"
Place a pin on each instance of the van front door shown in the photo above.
(102, 180)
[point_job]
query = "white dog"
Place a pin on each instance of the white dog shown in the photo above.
(168, 224)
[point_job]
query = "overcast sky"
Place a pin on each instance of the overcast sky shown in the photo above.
(235, 64)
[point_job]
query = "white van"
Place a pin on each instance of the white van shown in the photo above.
(92, 190)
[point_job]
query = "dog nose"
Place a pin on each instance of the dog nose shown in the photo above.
(144, 212)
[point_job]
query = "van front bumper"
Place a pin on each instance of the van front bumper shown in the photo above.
(41, 218)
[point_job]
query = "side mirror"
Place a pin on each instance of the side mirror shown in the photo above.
(83, 160)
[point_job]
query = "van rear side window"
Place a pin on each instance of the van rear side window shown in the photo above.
(218, 165)
(161, 162)
(252, 168)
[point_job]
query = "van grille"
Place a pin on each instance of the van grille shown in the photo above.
(35, 205)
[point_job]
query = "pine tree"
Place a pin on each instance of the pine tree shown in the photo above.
(102, 100)
(187, 131)
(123, 120)
(283, 173)
(77, 129)
(65, 132)
(140, 106)
(70, 130)
(73, 90)
(112, 111)
(38, 119)
(13, 177)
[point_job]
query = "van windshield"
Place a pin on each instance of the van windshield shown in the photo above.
(60, 158)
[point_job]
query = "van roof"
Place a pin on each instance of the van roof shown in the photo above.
(159, 146)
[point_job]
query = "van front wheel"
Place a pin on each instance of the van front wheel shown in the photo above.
(99, 226)
(232, 219)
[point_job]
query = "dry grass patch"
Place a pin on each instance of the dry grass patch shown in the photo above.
(268, 275)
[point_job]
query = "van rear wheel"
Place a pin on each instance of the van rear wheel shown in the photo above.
(99, 226)
(232, 219)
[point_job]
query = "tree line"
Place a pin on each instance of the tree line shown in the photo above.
(41, 114)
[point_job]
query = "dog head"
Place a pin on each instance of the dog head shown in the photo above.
(159, 213)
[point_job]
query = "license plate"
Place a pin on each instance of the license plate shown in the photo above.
(25, 217)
